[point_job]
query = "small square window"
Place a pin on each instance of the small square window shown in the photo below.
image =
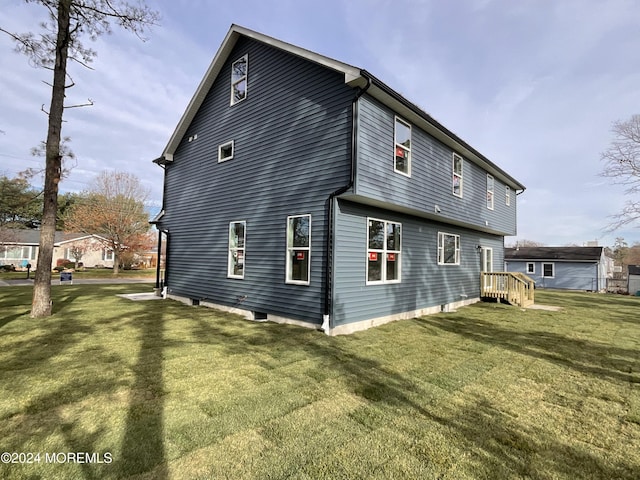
(225, 151)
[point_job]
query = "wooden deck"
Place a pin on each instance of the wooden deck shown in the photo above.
(513, 287)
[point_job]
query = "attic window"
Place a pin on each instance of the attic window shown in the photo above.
(225, 151)
(239, 80)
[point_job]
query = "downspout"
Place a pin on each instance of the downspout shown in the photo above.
(326, 317)
(157, 289)
(160, 161)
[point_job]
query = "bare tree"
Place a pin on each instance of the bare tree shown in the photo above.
(526, 243)
(114, 209)
(622, 164)
(59, 41)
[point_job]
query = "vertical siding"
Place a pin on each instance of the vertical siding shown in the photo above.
(292, 149)
(424, 283)
(431, 175)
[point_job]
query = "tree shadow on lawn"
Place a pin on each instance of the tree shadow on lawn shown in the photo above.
(604, 361)
(503, 446)
(507, 450)
(46, 354)
(143, 447)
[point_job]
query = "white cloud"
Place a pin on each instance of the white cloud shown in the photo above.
(533, 85)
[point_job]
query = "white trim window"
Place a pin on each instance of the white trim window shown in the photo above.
(456, 166)
(299, 249)
(225, 151)
(448, 249)
(402, 147)
(107, 255)
(18, 253)
(490, 188)
(548, 270)
(507, 195)
(384, 251)
(239, 70)
(531, 268)
(237, 242)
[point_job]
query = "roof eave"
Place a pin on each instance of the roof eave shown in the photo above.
(352, 77)
(401, 105)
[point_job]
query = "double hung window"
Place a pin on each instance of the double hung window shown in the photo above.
(402, 148)
(490, 187)
(239, 70)
(298, 249)
(448, 249)
(457, 175)
(384, 250)
(237, 241)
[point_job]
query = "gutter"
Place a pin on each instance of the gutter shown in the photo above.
(326, 317)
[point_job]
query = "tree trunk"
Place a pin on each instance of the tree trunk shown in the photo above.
(41, 303)
(116, 261)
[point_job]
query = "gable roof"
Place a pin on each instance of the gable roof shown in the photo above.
(557, 254)
(19, 236)
(354, 77)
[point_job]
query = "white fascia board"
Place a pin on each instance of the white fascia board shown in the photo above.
(352, 76)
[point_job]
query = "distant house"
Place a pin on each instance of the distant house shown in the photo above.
(301, 189)
(634, 279)
(21, 249)
(573, 268)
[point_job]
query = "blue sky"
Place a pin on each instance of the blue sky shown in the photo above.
(532, 84)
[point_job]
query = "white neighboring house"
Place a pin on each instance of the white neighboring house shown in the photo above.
(21, 249)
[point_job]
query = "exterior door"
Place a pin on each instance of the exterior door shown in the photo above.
(487, 265)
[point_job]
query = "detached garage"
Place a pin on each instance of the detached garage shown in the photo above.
(571, 268)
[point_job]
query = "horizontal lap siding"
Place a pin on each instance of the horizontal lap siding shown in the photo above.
(292, 149)
(567, 275)
(431, 175)
(424, 283)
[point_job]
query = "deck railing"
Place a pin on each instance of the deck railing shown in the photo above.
(513, 287)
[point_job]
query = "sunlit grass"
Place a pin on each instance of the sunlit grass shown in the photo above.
(170, 391)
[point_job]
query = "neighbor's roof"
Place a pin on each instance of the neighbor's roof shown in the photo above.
(354, 77)
(557, 254)
(634, 269)
(27, 237)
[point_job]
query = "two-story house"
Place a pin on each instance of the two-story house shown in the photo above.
(301, 189)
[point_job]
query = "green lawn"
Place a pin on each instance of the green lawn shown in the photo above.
(88, 273)
(168, 391)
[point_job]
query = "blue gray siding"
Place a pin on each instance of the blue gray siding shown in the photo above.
(292, 139)
(424, 283)
(430, 183)
(567, 275)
